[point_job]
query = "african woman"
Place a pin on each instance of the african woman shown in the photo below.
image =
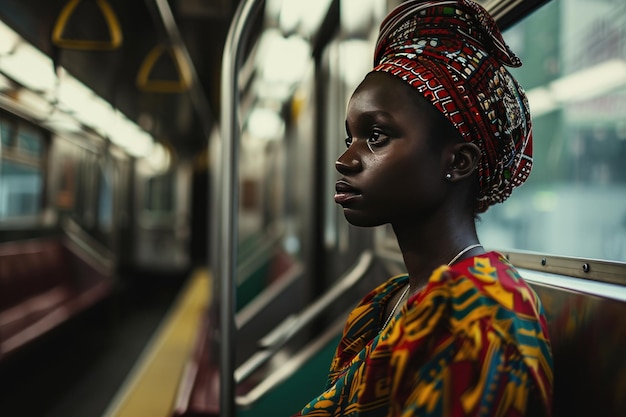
(438, 131)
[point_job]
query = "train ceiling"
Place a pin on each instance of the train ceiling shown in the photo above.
(126, 53)
(132, 53)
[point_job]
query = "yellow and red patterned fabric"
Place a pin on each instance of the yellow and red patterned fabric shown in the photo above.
(452, 53)
(473, 342)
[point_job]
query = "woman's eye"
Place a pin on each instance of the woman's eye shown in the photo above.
(377, 138)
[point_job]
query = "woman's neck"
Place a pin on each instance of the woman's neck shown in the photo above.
(427, 245)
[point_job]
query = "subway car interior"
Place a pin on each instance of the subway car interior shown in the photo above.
(169, 243)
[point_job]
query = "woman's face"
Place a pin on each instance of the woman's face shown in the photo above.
(391, 172)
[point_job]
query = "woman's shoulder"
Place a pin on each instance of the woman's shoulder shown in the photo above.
(483, 301)
(490, 279)
(485, 292)
(483, 285)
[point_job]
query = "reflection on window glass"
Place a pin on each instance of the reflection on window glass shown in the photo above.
(160, 197)
(20, 190)
(85, 202)
(574, 72)
(21, 180)
(105, 202)
(6, 132)
(29, 142)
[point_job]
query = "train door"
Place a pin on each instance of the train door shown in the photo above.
(162, 214)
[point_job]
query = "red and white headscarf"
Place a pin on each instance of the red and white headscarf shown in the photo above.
(453, 53)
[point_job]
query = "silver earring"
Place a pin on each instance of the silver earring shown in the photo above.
(448, 176)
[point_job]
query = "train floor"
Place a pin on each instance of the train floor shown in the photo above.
(82, 368)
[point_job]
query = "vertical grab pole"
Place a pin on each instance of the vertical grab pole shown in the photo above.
(225, 254)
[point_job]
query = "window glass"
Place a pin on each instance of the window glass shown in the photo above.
(574, 72)
(20, 190)
(85, 207)
(160, 197)
(6, 132)
(105, 201)
(21, 177)
(29, 142)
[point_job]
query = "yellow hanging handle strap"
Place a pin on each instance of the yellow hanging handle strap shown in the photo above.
(110, 18)
(148, 84)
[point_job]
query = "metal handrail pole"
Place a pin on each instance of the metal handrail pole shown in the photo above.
(196, 92)
(226, 252)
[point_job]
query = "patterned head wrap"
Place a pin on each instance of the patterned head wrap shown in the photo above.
(453, 53)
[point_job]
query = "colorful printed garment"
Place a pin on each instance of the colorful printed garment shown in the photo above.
(473, 342)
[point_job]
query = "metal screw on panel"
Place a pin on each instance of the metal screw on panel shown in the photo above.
(544, 261)
(586, 268)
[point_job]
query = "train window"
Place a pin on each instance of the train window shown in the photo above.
(85, 204)
(21, 180)
(574, 72)
(28, 141)
(20, 190)
(160, 197)
(7, 132)
(105, 200)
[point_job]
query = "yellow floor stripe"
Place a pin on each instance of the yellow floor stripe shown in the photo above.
(151, 387)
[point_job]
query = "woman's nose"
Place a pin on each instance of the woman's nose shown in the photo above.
(349, 162)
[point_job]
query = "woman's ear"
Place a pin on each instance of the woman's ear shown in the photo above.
(465, 159)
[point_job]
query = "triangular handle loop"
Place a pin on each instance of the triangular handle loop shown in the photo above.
(113, 24)
(182, 84)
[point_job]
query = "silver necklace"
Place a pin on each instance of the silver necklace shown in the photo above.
(467, 249)
(408, 286)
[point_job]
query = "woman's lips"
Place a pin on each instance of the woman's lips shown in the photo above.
(344, 192)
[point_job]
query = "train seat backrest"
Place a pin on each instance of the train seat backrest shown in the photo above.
(34, 280)
(30, 268)
(588, 334)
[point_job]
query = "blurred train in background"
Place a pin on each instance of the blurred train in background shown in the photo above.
(120, 178)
